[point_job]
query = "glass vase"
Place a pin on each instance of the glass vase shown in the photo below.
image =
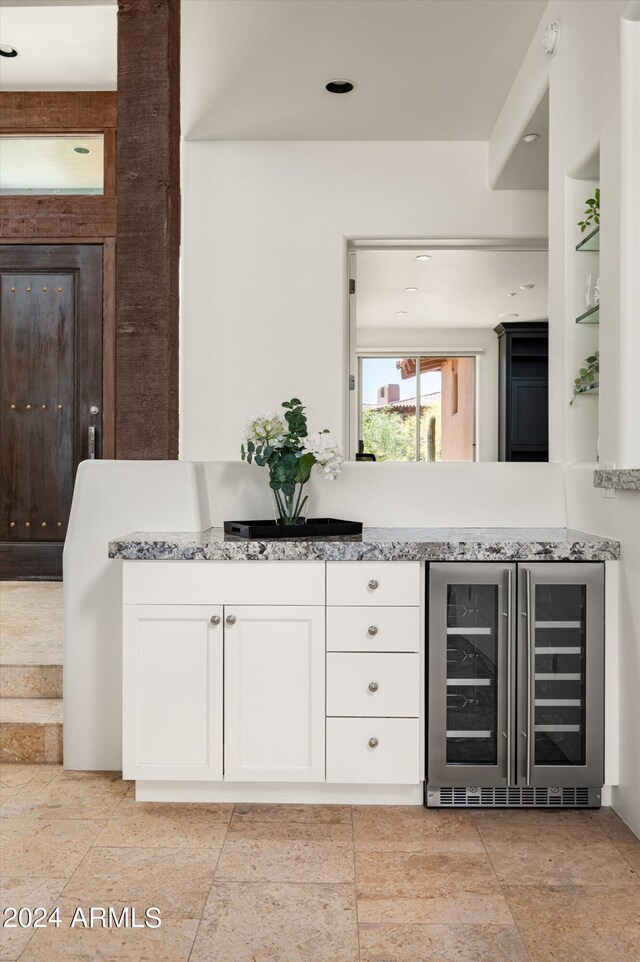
(291, 508)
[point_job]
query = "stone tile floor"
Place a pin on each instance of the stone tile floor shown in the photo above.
(294, 883)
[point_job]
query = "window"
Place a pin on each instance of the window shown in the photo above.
(52, 164)
(417, 408)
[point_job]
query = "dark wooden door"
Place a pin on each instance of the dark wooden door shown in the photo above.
(51, 382)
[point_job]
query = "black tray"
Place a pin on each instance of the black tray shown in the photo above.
(314, 528)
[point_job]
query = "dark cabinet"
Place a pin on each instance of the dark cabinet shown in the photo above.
(524, 391)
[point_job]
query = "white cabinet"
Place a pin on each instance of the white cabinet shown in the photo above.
(274, 693)
(373, 672)
(373, 629)
(373, 684)
(373, 583)
(172, 692)
(377, 751)
(225, 668)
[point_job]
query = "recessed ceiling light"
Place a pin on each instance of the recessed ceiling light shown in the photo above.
(339, 86)
(401, 312)
(423, 257)
(529, 138)
(511, 294)
(7, 51)
(527, 287)
(508, 315)
(81, 150)
(411, 289)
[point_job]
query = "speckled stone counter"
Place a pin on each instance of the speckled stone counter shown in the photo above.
(622, 479)
(375, 544)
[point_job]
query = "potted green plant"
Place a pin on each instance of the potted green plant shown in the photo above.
(592, 213)
(588, 376)
(284, 446)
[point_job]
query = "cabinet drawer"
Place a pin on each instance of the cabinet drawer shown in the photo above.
(373, 583)
(373, 684)
(224, 582)
(373, 629)
(394, 760)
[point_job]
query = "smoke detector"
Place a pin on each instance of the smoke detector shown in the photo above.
(551, 37)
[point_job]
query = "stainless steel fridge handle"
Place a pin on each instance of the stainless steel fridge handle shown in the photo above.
(529, 637)
(509, 656)
(92, 443)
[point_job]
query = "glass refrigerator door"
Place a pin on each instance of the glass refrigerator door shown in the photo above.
(563, 667)
(472, 674)
(559, 662)
(469, 625)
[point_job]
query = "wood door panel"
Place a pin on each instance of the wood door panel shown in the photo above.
(37, 345)
(51, 373)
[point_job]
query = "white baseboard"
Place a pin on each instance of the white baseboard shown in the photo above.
(279, 793)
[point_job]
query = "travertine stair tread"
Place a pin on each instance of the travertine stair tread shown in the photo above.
(35, 711)
(31, 623)
(30, 681)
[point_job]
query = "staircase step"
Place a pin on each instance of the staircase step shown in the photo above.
(30, 681)
(31, 729)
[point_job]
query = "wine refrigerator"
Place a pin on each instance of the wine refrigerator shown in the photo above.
(515, 685)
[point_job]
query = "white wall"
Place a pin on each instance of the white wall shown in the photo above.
(264, 263)
(483, 341)
(619, 518)
(586, 110)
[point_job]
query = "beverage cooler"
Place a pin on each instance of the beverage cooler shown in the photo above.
(515, 685)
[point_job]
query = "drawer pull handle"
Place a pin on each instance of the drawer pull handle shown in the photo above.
(215, 619)
(373, 686)
(372, 630)
(373, 743)
(373, 584)
(231, 619)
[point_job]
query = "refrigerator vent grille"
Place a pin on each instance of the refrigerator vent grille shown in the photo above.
(516, 797)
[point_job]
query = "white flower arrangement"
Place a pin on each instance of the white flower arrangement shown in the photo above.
(266, 428)
(284, 446)
(327, 453)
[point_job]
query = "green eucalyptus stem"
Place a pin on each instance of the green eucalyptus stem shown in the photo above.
(279, 504)
(298, 508)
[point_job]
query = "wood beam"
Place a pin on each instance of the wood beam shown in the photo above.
(148, 229)
(55, 110)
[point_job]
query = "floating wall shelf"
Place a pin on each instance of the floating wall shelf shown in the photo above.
(591, 242)
(592, 316)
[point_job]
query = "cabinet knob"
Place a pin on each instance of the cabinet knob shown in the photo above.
(373, 686)
(231, 619)
(215, 619)
(373, 584)
(373, 743)
(372, 630)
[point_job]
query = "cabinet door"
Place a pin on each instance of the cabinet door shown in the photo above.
(274, 694)
(561, 675)
(470, 662)
(172, 692)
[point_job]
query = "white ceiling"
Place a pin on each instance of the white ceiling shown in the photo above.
(456, 288)
(61, 46)
(528, 164)
(423, 69)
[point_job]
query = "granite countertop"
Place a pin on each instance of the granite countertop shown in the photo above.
(375, 544)
(622, 479)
